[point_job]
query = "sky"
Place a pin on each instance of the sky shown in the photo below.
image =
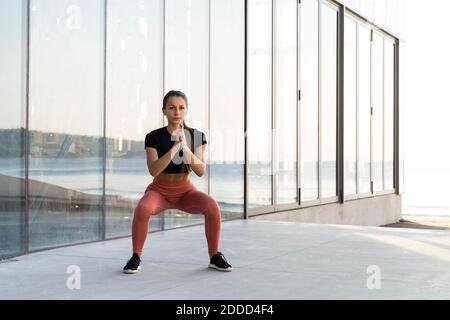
(426, 105)
(426, 108)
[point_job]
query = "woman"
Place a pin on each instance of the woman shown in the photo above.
(172, 153)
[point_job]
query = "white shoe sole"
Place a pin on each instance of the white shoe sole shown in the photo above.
(213, 266)
(132, 271)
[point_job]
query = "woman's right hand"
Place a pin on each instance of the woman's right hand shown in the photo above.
(180, 142)
(182, 138)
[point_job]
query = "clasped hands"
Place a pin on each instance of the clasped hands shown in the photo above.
(181, 143)
(188, 154)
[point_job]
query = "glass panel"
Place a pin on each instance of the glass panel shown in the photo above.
(328, 99)
(259, 103)
(388, 115)
(309, 116)
(66, 121)
(187, 70)
(133, 106)
(226, 141)
(12, 124)
(377, 124)
(286, 102)
(363, 110)
(350, 111)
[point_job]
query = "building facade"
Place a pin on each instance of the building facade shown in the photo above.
(299, 100)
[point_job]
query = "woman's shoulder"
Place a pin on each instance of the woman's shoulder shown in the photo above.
(161, 130)
(199, 136)
(152, 138)
(156, 131)
(198, 131)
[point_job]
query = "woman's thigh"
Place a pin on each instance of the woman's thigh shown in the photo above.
(195, 201)
(153, 203)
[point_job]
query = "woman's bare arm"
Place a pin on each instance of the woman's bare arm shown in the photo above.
(197, 164)
(157, 165)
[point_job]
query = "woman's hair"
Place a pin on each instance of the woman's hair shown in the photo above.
(185, 168)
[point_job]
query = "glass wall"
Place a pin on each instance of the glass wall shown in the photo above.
(350, 103)
(364, 105)
(328, 99)
(389, 98)
(186, 68)
(12, 125)
(66, 101)
(272, 104)
(309, 111)
(134, 93)
(226, 134)
(318, 119)
(286, 102)
(259, 103)
(377, 117)
(89, 108)
(371, 85)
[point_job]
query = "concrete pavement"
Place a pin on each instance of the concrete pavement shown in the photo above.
(271, 260)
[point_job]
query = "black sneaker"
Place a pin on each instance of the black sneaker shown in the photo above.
(132, 265)
(219, 262)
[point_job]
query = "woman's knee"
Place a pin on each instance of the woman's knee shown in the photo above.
(212, 206)
(145, 209)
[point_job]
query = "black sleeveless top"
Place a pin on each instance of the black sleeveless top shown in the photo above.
(162, 140)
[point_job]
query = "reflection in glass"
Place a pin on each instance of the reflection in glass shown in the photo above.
(187, 69)
(363, 110)
(388, 115)
(377, 122)
(226, 138)
(309, 114)
(328, 99)
(350, 110)
(66, 122)
(286, 101)
(133, 106)
(259, 103)
(12, 110)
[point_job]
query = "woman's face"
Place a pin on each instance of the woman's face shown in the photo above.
(175, 110)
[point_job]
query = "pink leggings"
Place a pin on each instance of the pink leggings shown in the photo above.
(181, 195)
